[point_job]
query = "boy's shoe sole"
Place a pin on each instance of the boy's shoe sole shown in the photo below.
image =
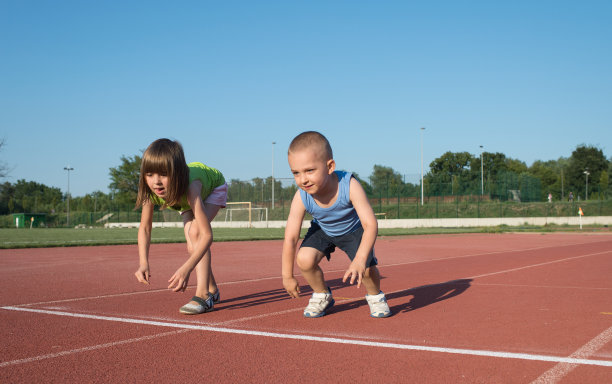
(314, 312)
(322, 313)
(378, 305)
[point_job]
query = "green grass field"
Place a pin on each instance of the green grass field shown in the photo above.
(65, 237)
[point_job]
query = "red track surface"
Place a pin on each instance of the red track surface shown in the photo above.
(509, 308)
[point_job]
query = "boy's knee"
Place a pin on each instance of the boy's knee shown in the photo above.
(304, 263)
(306, 260)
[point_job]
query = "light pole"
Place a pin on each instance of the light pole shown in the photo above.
(422, 130)
(274, 142)
(481, 173)
(68, 196)
(586, 188)
(562, 190)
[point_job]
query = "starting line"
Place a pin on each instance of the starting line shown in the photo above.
(336, 340)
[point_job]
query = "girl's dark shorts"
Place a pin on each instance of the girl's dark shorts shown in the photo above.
(316, 238)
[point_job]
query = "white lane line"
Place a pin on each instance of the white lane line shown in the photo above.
(502, 252)
(538, 265)
(88, 349)
(87, 298)
(556, 373)
(482, 353)
(262, 316)
(238, 320)
(327, 271)
(90, 297)
(545, 286)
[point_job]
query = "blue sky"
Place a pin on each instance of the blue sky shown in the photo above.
(83, 83)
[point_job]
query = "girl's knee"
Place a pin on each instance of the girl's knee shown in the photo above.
(191, 234)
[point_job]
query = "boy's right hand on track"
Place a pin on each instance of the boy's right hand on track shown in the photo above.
(291, 286)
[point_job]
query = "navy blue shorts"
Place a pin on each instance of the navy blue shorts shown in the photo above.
(316, 238)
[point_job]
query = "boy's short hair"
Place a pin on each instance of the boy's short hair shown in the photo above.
(311, 139)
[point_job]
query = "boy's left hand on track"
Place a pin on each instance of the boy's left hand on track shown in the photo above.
(355, 272)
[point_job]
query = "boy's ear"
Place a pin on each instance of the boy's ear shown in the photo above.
(331, 166)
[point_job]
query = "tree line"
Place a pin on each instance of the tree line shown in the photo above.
(452, 174)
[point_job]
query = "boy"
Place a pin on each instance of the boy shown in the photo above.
(343, 218)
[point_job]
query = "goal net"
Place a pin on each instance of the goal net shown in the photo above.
(243, 211)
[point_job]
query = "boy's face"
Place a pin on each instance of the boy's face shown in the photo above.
(310, 170)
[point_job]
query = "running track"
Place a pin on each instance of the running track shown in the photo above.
(503, 308)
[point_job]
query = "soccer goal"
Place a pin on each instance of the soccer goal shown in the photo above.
(245, 211)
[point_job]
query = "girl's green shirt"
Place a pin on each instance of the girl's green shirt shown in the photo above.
(210, 178)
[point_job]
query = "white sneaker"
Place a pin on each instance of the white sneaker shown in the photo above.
(378, 305)
(318, 304)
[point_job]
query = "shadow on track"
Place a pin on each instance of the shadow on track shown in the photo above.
(422, 296)
(259, 298)
(270, 296)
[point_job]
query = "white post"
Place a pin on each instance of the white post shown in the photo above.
(68, 196)
(586, 188)
(562, 191)
(481, 173)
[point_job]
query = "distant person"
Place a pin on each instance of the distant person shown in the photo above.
(197, 192)
(550, 197)
(571, 197)
(343, 218)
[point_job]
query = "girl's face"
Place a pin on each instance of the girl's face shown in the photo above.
(158, 183)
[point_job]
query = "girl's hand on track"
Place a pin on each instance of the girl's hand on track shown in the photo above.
(178, 281)
(143, 275)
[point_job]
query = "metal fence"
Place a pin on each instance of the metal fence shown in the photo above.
(471, 206)
(509, 195)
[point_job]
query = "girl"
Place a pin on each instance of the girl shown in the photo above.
(197, 192)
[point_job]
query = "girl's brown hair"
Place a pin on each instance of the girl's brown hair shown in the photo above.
(165, 157)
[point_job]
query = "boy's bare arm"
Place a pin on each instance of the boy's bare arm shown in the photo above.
(370, 230)
(292, 236)
(144, 241)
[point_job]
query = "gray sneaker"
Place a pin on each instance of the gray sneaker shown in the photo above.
(216, 296)
(201, 306)
(378, 305)
(318, 304)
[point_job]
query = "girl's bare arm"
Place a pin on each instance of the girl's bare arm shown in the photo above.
(144, 241)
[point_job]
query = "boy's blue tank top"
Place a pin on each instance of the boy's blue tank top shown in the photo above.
(339, 219)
